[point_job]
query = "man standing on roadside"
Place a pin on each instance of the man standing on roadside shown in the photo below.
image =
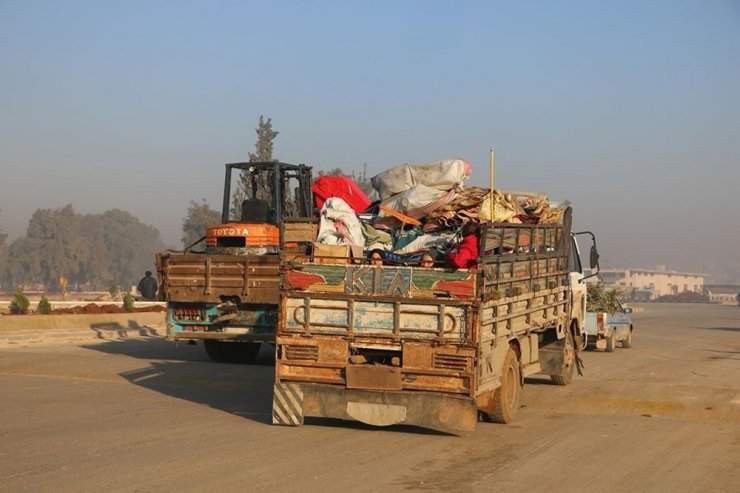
(148, 287)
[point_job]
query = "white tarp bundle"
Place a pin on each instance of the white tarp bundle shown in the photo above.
(425, 242)
(339, 225)
(441, 175)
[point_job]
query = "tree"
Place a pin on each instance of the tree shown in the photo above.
(332, 172)
(53, 246)
(361, 179)
(3, 250)
(197, 219)
(130, 246)
(263, 147)
(91, 251)
(263, 153)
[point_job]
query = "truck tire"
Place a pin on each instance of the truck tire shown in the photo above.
(569, 363)
(506, 397)
(241, 352)
(611, 341)
(627, 342)
(232, 352)
(213, 350)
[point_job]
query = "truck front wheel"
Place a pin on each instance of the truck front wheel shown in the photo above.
(506, 397)
(569, 363)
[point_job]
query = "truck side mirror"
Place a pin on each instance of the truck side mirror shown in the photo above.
(594, 257)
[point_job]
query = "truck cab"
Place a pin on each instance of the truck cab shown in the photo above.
(223, 290)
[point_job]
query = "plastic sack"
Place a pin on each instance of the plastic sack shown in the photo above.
(442, 175)
(418, 201)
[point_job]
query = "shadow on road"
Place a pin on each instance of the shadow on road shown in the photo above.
(185, 372)
(728, 329)
(356, 425)
(538, 380)
(107, 329)
(733, 354)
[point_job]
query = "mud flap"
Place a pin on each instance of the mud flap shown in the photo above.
(287, 405)
(552, 357)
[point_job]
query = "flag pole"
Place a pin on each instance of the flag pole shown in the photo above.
(491, 172)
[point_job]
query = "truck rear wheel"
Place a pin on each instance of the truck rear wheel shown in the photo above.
(569, 363)
(232, 352)
(213, 350)
(506, 397)
(611, 341)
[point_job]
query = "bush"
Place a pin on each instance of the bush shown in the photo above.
(128, 302)
(20, 303)
(44, 307)
(600, 299)
(685, 297)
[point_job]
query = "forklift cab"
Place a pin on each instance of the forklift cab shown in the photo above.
(258, 198)
(266, 192)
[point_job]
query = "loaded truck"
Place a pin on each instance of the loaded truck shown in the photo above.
(225, 293)
(430, 346)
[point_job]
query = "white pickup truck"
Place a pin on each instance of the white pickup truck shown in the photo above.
(603, 329)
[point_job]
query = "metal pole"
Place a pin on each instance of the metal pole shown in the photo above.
(491, 172)
(227, 195)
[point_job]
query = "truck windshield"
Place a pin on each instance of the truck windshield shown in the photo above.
(574, 261)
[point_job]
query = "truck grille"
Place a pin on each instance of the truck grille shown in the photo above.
(306, 353)
(455, 362)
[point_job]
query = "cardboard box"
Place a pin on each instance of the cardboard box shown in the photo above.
(336, 254)
(331, 254)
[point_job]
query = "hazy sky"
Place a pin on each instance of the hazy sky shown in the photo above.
(629, 109)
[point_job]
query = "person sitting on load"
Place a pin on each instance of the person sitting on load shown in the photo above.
(465, 255)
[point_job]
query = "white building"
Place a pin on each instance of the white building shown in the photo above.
(648, 284)
(725, 294)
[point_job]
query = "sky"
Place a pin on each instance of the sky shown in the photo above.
(628, 109)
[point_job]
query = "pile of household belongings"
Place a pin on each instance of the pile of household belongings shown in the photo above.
(421, 208)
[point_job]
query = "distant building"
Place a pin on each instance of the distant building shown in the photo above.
(649, 284)
(724, 294)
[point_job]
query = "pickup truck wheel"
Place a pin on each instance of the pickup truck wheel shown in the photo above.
(611, 341)
(506, 397)
(569, 363)
(627, 342)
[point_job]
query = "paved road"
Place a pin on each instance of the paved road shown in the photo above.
(147, 416)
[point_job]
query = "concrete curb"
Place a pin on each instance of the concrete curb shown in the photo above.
(67, 328)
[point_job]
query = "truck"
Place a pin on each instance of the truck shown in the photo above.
(605, 328)
(225, 293)
(433, 347)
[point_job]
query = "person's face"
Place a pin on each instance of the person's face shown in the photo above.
(375, 259)
(427, 261)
